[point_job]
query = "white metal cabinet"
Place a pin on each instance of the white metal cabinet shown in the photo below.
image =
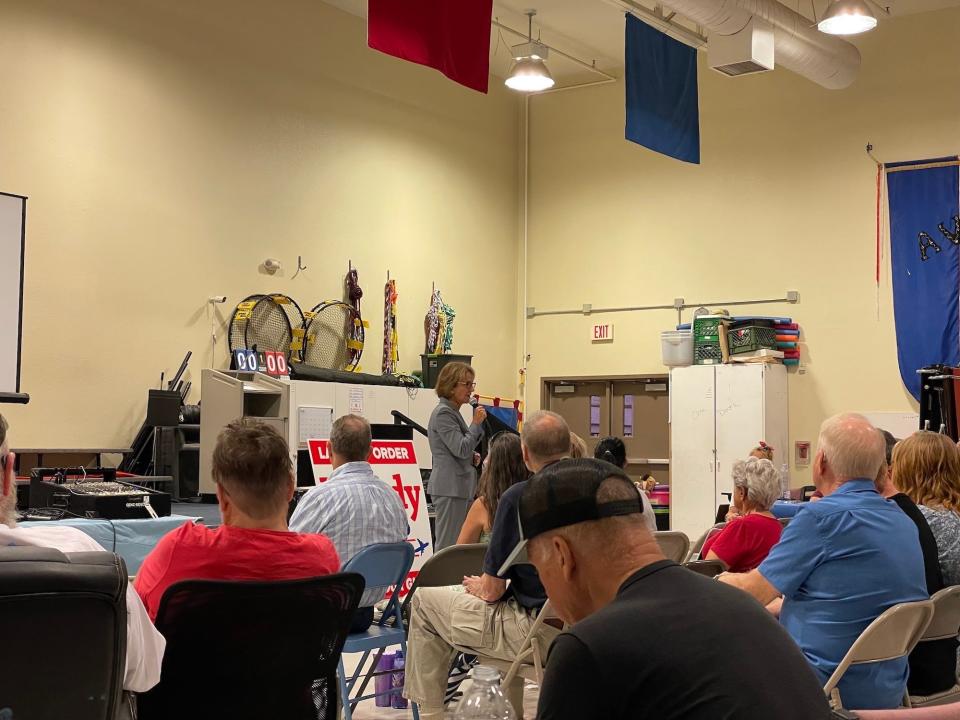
(718, 413)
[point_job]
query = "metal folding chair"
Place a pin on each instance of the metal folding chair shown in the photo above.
(892, 635)
(447, 567)
(695, 549)
(674, 544)
(382, 567)
(945, 625)
(710, 568)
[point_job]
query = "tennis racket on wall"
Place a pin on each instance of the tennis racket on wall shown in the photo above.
(333, 336)
(266, 322)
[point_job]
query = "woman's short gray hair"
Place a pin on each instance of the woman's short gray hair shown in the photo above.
(760, 479)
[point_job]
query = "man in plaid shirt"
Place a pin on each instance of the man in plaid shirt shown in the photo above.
(354, 508)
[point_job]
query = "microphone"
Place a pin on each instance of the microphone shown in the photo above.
(474, 403)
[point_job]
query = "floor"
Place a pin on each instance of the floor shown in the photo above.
(367, 710)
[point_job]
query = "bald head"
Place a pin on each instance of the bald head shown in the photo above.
(545, 438)
(850, 447)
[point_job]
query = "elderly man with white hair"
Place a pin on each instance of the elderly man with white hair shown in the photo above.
(841, 562)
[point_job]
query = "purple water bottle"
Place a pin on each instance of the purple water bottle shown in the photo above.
(382, 683)
(396, 681)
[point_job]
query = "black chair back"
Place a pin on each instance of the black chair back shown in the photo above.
(63, 620)
(710, 568)
(243, 649)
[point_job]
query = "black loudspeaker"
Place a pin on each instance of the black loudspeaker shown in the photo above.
(163, 408)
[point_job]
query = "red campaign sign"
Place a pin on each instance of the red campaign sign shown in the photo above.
(395, 463)
(383, 452)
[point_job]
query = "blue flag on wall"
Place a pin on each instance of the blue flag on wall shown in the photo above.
(925, 262)
(663, 112)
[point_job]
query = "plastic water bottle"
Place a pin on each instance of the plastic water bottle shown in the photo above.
(484, 700)
(785, 481)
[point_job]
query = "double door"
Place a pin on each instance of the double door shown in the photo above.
(633, 409)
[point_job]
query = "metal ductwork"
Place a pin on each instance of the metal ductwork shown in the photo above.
(824, 59)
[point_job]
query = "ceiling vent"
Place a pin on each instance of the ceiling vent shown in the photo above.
(744, 53)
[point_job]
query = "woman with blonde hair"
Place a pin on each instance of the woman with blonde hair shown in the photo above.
(926, 468)
(453, 479)
(578, 447)
(762, 452)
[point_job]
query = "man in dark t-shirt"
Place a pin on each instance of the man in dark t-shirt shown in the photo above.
(488, 617)
(649, 639)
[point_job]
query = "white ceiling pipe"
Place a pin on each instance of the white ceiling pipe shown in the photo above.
(800, 47)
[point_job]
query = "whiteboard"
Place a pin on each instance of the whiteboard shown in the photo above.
(901, 424)
(13, 213)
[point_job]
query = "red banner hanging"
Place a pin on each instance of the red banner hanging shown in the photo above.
(452, 37)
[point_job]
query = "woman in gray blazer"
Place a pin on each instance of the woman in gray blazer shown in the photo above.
(453, 479)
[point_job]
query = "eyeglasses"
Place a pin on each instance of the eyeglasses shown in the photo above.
(471, 385)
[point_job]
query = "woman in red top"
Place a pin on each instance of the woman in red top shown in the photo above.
(745, 541)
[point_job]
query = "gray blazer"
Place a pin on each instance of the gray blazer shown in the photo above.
(452, 444)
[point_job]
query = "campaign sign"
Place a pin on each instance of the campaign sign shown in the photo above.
(395, 463)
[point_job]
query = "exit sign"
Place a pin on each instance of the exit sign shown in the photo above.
(602, 333)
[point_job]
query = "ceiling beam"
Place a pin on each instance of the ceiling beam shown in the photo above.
(661, 22)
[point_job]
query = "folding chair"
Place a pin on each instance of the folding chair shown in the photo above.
(945, 625)
(528, 663)
(710, 568)
(695, 549)
(446, 567)
(382, 567)
(892, 635)
(674, 544)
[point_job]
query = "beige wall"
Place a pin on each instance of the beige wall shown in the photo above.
(784, 199)
(169, 148)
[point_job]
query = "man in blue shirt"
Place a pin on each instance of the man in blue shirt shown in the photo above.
(354, 508)
(842, 562)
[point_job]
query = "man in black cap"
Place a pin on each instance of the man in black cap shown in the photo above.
(649, 639)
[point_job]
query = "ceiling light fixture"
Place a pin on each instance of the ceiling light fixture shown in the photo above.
(847, 17)
(529, 73)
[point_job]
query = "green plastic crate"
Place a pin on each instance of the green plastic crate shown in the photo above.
(707, 325)
(751, 338)
(707, 354)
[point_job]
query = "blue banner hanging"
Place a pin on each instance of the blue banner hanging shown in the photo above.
(662, 108)
(924, 201)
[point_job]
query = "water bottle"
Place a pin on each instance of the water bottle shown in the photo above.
(484, 700)
(785, 481)
(398, 701)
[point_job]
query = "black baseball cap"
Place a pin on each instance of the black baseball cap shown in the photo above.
(565, 493)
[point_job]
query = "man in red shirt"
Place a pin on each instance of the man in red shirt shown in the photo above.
(255, 481)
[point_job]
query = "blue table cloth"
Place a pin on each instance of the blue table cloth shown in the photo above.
(130, 539)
